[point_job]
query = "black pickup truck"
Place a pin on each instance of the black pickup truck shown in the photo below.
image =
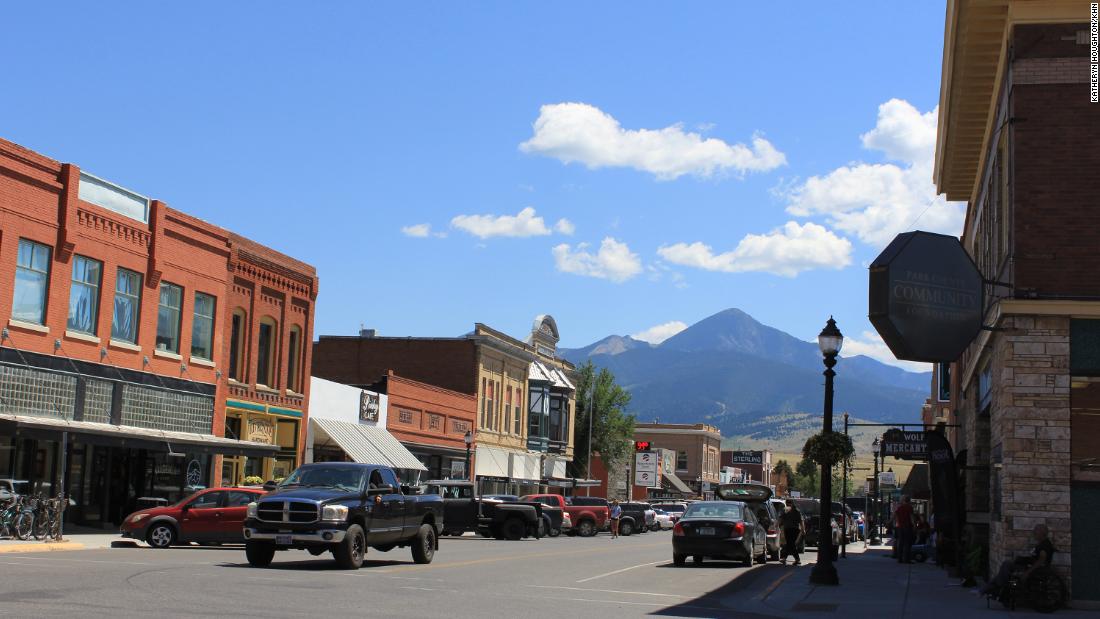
(499, 516)
(342, 507)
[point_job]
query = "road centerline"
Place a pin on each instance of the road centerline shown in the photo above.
(620, 571)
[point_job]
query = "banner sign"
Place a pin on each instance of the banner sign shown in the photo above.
(646, 479)
(925, 297)
(944, 482)
(645, 461)
(905, 445)
(747, 457)
(368, 406)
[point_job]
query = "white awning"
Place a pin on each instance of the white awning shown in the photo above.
(539, 371)
(491, 462)
(525, 466)
(366, 444)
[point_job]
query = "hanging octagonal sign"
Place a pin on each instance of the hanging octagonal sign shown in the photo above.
(925, 297)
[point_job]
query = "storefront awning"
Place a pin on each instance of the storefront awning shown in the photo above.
(130, 436)
(672, 482)
(366, 444)
(491, 462)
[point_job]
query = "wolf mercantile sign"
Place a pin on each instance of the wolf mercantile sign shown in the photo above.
(925, 297)
(906, 445)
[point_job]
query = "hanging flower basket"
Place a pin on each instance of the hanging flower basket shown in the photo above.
(828, 448)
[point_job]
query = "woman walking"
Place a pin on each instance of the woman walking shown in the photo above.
(616, 513)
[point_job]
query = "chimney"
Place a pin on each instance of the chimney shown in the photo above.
(367, 333)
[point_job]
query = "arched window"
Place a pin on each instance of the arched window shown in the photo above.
(238, 328)
(266, 350)
(294, 353)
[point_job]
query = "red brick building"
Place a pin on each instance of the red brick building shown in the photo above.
(1018, 142)
(431, 422)
(113, 354)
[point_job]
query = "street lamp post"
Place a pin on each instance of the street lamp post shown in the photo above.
(875, 538)
(830, 340)
(468, 438)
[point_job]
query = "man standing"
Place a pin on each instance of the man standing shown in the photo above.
(904, 524)
(793, 527)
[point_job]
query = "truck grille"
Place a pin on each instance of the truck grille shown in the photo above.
(287, 511)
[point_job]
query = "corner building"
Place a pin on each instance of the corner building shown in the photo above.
(113, 368)
(1019, 142)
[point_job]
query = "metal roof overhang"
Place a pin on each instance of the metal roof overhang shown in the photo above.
(367, 444)
(676, 484)
(129, 436)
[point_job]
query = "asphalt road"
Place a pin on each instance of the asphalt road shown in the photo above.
(563, 578)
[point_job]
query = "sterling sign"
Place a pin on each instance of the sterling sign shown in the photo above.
(747, 457)
(926, 297)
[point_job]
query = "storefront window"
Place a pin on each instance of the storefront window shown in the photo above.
(202, 327)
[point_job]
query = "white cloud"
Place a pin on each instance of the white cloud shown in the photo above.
(613, 261)
(659, 333)
(785, 251)
(870, 344)
(524, 224)
(566, 227)
(419, 231)
(876, 201)
(579, 132)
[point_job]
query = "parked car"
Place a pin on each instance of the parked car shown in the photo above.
(718, 530)
(589, 514)
(664, 520)
(758, 498)
(495, 515)
(849, 529)
(674, 510)
(811, 513)
(636, 518)
(212, 516)
(342, 507)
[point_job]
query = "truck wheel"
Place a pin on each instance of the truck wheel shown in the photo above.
(259, 554)
(586, 528)
(513, 529)
(544, 527)
(349, 554)
(423, 546)
(679, 560)
(555, 532)
(626, 527)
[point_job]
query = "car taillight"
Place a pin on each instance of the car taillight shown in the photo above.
(678, 530)
(773, 531)
(738, 530)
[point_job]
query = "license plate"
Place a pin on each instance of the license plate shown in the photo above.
(284, 539)
(706, 530)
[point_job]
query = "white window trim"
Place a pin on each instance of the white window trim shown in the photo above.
(28, 326)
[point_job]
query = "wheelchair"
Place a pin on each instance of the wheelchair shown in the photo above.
(1044, 590)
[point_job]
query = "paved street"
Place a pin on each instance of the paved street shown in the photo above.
(470, 577)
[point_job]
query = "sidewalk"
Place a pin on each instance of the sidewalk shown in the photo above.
(75, 538)
(874, 585)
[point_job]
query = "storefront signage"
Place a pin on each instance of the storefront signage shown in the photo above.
(645, 479)
(645, 461)
(905, 445)
(458, 469)
(887, 478)
(261, 430)
(926, 297)
(368, 406)
(748, 457)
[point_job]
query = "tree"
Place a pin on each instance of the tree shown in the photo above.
(612, 428)
(806, 477)
(782, 469)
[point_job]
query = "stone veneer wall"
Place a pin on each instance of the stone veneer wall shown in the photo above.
(1030, 422)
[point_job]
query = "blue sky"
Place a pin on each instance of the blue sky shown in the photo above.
(734, 154)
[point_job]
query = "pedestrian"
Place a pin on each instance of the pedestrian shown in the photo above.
(904, 522)
(616, 513)
(793, 527)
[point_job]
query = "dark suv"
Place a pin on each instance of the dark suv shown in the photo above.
(636, 518)
(757, 497)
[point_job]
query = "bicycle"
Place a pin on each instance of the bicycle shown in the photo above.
(47, 517)
(16, 520)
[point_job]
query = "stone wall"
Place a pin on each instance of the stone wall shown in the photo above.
(1030, 435)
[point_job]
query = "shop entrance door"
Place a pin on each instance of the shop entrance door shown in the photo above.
(1085, 503)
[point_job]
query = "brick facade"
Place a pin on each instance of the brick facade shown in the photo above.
(701, 443)
(425, 418)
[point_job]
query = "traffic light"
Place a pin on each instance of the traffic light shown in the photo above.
(641, 445)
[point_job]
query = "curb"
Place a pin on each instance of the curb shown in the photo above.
(41, 547)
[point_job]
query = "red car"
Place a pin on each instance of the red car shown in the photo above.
(211, 515)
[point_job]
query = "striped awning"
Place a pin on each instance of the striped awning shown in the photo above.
(366, 444)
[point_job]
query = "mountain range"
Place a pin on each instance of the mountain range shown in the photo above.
(749, 379)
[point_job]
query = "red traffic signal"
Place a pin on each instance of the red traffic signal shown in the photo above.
(641, 445)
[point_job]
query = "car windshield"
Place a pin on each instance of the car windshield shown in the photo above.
(341, 477)
(673, 508)
(187, 499)
(713, 510)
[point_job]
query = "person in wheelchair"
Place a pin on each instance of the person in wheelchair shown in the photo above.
(1023, 567)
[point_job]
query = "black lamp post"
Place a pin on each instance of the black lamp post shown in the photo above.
(468, 438)
(875, 539)
(830, 341)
